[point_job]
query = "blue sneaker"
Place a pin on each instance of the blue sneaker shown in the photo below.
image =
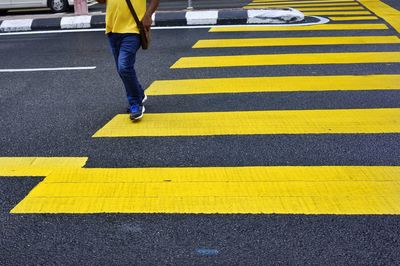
(136, 112)
(128, 110)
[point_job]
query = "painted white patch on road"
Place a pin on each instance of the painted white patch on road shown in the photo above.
(202, 17)
(16, 25)
(273, 15)
(75, 22)
(45, 69)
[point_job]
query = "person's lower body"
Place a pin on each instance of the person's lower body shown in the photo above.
(124, 48)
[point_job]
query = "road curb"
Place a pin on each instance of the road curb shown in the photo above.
(174, 18)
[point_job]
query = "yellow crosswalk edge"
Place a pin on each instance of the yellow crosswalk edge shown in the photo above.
(315, 2)
(340, 9)
(305, 4)
(385, 120)
(333, 13)
(282, 190)
(287, 59)
(353, 18)
(228, 190)
(297, 41)
(37, 166)
(329, 8)
(300, 28)
(388, 13)
(307, 1)
(274, 84)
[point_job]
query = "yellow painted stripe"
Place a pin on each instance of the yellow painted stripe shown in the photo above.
(287, 189)
(345, 205)
(353, 18)
(330, 8)
(217, 189)
(256, 122)
(225, 174)
(384, 11)
(274, 84)
(242, 174)
(306, 1)
(301, 28)
(306, 4)
(309, 8)
(287, 59)
(298, 41)
(37, 166)
(334, 13)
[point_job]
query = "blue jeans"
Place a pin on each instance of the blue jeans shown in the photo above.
(124, 48)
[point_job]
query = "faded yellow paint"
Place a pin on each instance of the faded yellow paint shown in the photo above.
(287, 59)
(274, 84)
(297, 41)
(37, 166)
(386, 120)
(258, 189)
(300, 28)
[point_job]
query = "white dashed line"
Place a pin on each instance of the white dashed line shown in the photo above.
(45, 69)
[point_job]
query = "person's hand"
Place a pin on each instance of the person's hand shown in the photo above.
(147, 21)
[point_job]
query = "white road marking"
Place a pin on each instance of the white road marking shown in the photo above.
(75, 22)
(201, 17)
(45, 69)
(16, 25)
(263, 16)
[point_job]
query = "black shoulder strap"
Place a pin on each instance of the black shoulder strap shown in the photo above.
(138, 23)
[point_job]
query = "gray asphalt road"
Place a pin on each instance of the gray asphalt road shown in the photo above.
(56, 113)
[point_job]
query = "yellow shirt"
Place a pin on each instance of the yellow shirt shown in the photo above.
(118, 17)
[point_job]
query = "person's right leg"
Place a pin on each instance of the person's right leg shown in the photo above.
(124, 48)
(130, 43)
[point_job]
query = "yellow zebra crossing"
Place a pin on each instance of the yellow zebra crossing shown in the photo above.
(339, 10)
(255, 189)
(336, 10)
(348, 18)
(299, 41)
(287, 59)
(324, 27)
(274, 84)
(71, 188)
(256, 123)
